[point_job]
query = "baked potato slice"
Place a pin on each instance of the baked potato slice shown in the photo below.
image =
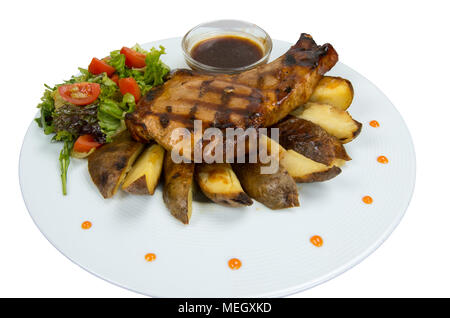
(310, 140)
(144, 175)
(335, 121)
(334, 91)
(109, 164)
(304, 170)
(177, 192)
(276, 191)
(219, 183)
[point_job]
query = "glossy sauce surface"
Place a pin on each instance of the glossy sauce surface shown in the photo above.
(367, 199)
(316, 240)
(86, 225)
(150, 257)
(234, 263)
(382, 159)
(374, 124)
(227, 51)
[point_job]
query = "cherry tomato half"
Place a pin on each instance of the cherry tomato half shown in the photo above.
(129, 85)
(133, 58)
(115, 79)
(98, 67)
(80, 93)
(85, 143)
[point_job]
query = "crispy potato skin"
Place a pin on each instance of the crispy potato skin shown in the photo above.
(319, 176)
(219, 183)
(177, 193)
(276, 191)
(335, 91)
(304, 170)
(310, 140)
(109, 164)
(139, 186)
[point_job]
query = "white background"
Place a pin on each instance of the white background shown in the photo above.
(401, 46)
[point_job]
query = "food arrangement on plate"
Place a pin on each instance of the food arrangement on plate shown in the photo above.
(122, 111)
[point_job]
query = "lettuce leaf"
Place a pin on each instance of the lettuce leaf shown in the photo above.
(147, 77)
(117, 61)
(47, 107)
(155, 69)
(111, 115)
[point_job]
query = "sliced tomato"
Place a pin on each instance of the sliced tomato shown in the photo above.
(129, 85)
(80, 93)
(115, 79)
(99, 66)
(133, 58)
(85, 143)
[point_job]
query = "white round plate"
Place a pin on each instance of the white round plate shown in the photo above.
(274, 246)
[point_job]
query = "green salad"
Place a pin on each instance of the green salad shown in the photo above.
(88, 110)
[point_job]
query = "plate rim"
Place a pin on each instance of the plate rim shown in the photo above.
(283, 292)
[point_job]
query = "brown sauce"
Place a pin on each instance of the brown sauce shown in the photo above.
(227, 51)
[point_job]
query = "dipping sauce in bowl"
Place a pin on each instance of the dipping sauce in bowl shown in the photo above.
(227, 51)
(226, 46)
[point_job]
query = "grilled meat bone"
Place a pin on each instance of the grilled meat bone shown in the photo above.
(256, 98)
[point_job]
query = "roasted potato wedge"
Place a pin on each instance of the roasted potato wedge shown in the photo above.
(276, 191)
(109, 164)
(144, 175)
(219, 183)
(310, 140)
(304, 170)
(334, 91)
(177, 193)
(335, 121)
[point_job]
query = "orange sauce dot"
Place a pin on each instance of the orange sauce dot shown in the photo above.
(367, 199)
(150, 257)
(234, 263)
(86, 225)
(316, 240)
(382, 159)
(374, 124)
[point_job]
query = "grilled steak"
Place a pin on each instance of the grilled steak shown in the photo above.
(256, 98)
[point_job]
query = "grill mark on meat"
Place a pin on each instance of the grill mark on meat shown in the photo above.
(192, 112)
(289, 60)
(204, 88)
(184, 119)
(260, 81)
(153, 93)
(255, 98)
(222, 119)
(164, 119)
(251, 107)
(304, 55)
(207, 88)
